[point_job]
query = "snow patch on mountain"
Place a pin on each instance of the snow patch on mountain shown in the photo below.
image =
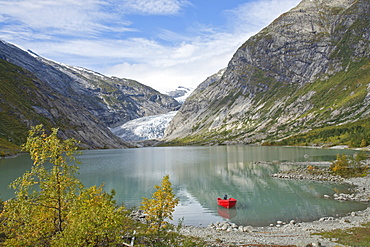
(144, 128)
(180, 93)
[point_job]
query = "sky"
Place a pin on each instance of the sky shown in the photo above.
(160, 43)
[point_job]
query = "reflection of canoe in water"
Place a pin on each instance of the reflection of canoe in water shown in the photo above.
(227, 213)
(226, 203)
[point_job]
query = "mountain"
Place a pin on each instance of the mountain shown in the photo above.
(307, 70)
(82, 103)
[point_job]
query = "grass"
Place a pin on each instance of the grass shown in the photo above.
(8, 148)
(356, 236)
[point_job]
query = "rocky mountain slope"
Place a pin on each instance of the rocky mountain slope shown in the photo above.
(82, 103)
(308, 69)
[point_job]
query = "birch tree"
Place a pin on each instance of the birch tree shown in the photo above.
(161, 206)
(51, 207)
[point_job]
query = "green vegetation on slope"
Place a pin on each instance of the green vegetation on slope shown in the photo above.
(345, 89)
(17, 91)
(356, 134)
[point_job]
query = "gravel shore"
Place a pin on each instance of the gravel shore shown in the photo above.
(289, 234)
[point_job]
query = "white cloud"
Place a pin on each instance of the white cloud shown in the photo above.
(259, 13)
(171, 36)
(153, 7)
(68, 17)
(197, 57)
(75, 31)
(187, 64)
(136, 48)
(170, 77)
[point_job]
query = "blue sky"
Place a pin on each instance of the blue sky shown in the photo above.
(160, 43)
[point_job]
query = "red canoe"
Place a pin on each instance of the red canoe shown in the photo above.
(228, 203)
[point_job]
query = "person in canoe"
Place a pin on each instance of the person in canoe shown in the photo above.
(226, 202)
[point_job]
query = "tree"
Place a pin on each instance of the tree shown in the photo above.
(2, 235)
(341, 165)
(1, 204)
(363, 143)
(161, 206)
(43, 196)
(51, 207)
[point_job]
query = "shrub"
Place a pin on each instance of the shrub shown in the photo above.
(346, 166)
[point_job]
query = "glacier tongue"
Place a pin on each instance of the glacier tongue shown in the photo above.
(144, 128)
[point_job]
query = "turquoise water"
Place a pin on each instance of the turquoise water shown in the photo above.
(201, 174)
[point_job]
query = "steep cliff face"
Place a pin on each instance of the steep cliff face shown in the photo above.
(82, 103)
(307, 69)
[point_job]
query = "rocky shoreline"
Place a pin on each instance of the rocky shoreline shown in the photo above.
(290, 233)
(319, 173)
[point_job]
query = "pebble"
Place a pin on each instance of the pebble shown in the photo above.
(227, 226)
(302, 173)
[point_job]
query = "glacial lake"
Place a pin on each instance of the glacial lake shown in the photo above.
(201, 174)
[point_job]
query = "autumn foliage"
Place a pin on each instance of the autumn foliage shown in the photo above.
(347, 166)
